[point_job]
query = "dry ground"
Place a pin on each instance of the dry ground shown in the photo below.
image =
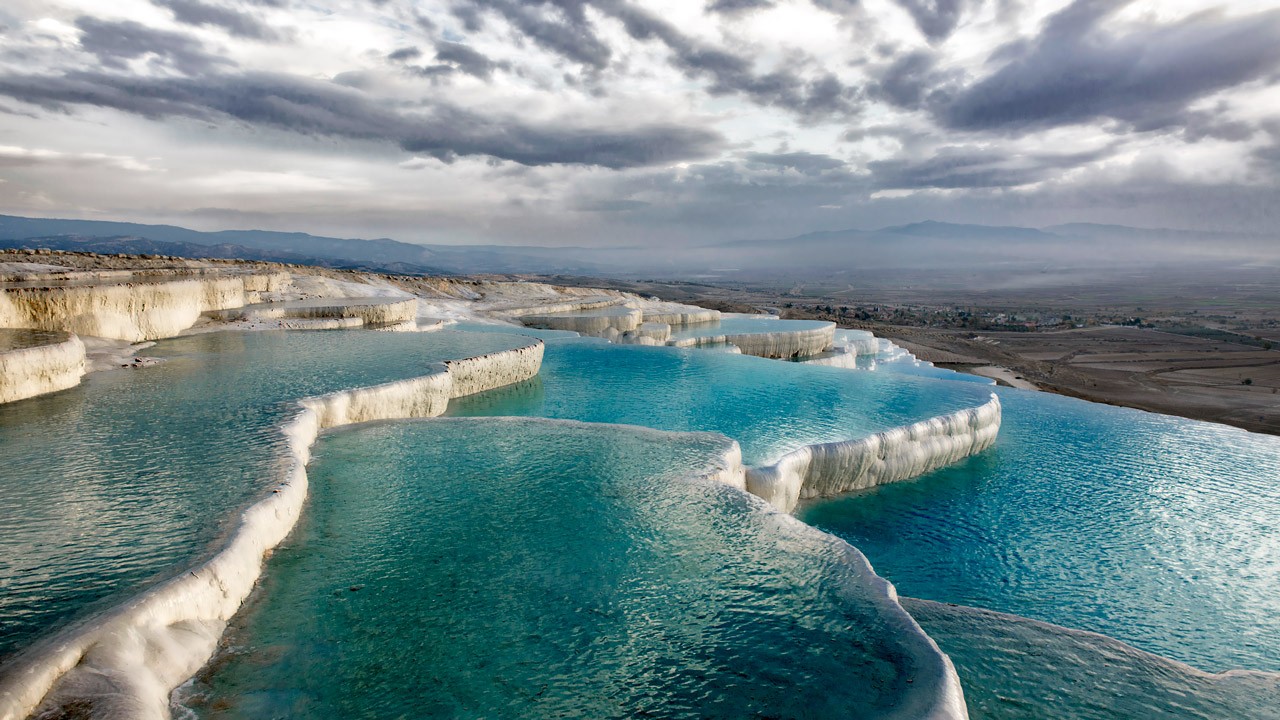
(1192, 377)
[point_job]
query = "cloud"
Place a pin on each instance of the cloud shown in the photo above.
(577, 120)
(937, 19)
(14, 156)
(299, 105)
(404, 53)
(239, 24)
(737, 6)
(468, 60)
(563, 27)
(803, 162)
(559, 26)
(909, 79)
(1078, 71)
(730, 73)
(966, 167)
(115, 43)
(451, 57)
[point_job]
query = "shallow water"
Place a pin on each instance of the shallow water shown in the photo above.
(111, 484)
(1159, 531)
(1013, 668)
(769, 407)
(22, 339)
(521, 568)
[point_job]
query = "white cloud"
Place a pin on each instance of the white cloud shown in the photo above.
(280, 163)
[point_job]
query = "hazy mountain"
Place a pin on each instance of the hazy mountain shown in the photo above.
(947, 246)
(143, 246)
(917, 247)
(375, 254)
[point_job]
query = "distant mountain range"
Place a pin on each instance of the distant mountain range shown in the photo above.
(920, 246)
(380, 255)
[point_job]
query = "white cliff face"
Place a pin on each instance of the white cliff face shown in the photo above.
(486, 372)
(834, 358)
(508, 303)
(658, 332)
(368, 312)
(31, 371)
(891, 456)
(597, 322)
(857, 342)
(675, 314)
(132, 311)
(127, 663)
(786, 344)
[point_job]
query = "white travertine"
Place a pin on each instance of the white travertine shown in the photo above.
(132, 311)
(783, 344)
(494, 370)
(619, 318)
(677, 314)
(371, 312)
(31, 371)
(890, 456)
(125, 664)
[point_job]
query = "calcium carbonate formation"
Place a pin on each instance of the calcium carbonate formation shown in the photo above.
(779, 345)
(650, 323)
(890, 456)
(44, 368)
(126, 664)
(144, 308)
(366, 312)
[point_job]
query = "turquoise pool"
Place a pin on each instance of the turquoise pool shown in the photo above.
(525, 568)
(111, 485)
(769, 407)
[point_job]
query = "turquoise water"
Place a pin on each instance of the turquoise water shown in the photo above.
(769, 407)
(1159, 531)
(111, 483)
(744, 326)
(519, 568)
(1013, 668)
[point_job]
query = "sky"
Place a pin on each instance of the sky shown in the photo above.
(653, 122)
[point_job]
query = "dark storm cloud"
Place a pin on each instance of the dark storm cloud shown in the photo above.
(563, 27)
(909, 79)
(114, 43)
(737, 6)
(315, 107)
(468, 60)
(558, 26)
(1075, 71)
(404, 53)
(937, 19)
(960, 167)
(804, 162)
(450, 58)
(195, 12)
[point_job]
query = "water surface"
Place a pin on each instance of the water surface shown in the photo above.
(1156, 530)
(108, 486)
(769, 407)
(523, 568)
